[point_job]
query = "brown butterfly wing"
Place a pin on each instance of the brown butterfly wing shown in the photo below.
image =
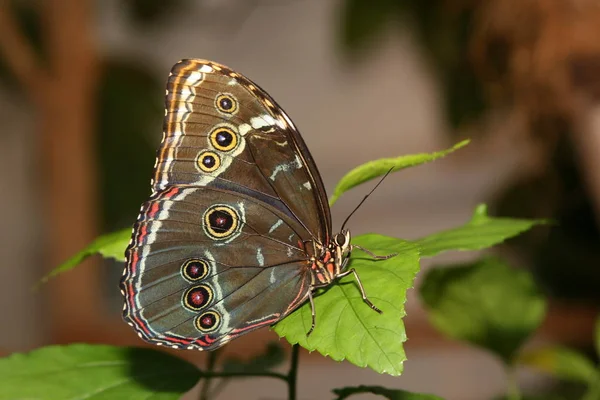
(194, 278)
(267, 157)
(194, 283)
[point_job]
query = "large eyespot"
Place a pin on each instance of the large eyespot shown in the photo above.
(220, 221)
(208, 321)
(197, 297)
(208, 161)
(195, 269)
(224, 138)
(226, 103)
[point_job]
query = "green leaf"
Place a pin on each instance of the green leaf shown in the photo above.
(346, 327)
(95, 372)
(375, 168)
(271, 358)
(562, 363)
(480, 232)
(597, 335)
(485, 303)
(391, 394)
(112, 245)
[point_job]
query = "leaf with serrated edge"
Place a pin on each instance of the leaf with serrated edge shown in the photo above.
(562, 363)
(373, 169)
(391, 394)
(485, 303)
(480, 232)
(111, 245)
(346, 327)
(95, 372)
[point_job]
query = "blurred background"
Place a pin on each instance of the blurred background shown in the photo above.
(81, 106)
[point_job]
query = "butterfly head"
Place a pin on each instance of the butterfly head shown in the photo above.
(341, 241)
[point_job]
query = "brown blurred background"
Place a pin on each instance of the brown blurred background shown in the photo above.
(81, 93)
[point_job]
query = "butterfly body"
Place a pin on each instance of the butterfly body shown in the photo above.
(237, 231)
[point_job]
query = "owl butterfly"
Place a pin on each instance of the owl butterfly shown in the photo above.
(237, 231)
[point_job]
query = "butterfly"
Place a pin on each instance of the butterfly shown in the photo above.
(237, 232)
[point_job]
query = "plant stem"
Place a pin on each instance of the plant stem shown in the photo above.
(292, 376)
(209, 375)
(513, 392)
(210, 366)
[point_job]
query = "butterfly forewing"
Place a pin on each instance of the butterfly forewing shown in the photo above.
(218, 250)
(222, 130)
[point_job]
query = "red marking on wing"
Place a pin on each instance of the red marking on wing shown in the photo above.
(177, 340)
(202, 343)
(131, 297)
(253, 326)
(208, 339)
(134, 261)
(171, 192)
(138, 322)
(153, 210)
(297, 299)
(143, 233)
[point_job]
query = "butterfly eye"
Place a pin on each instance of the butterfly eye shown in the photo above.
(209, 321)
(208, 161)
(224, 139)
(340, 239)
(226, 103)
(197, 297)
(195, 269)
(220, 222)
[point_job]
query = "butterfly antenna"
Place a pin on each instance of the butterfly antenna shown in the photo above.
(366, 197)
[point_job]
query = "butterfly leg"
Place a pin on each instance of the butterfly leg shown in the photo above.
(346, 260)
(375, 256)
(312, 313)
(312, 306)
(362, 289)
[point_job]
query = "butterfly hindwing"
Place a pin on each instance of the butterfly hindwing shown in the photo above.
(207, 265)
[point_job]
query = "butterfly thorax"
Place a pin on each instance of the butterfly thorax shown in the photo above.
(329, 261)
